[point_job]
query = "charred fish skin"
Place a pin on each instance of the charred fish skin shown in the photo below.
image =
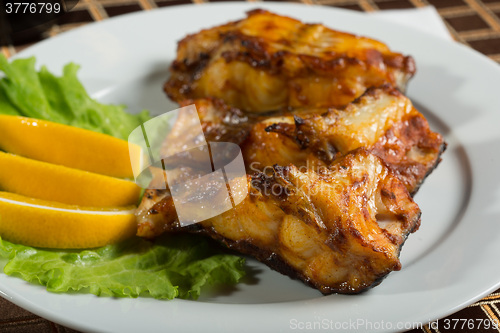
(358, 208)
(382, 120)
(340, 230)
(268, 62)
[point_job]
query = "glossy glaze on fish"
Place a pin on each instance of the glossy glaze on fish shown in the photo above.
(338, 230)
(267, 62)
(382, 120)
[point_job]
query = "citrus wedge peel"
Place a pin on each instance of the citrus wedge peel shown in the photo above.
(69, 146)
(46, 224)
(58, 183)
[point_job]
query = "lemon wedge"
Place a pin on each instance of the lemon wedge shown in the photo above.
(52, 182)
(67, 145)
(47, 224)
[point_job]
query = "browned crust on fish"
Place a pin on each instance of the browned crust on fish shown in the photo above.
(282, 62)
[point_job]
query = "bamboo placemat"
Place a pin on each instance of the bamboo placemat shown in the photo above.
(474, 23)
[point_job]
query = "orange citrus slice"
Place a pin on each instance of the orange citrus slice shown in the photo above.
(46, 224)
(62, 184)
(66, 145)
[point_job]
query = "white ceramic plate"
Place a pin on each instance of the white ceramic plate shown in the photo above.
(449, 263)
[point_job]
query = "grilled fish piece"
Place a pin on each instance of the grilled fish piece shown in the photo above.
(267, 62)
(339, 230)
(382, 120)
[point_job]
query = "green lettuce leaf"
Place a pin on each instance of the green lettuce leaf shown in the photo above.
(24, 91)
(172, 266)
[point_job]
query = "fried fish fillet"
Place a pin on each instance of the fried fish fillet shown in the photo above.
(267, 62)
(337, 224)
(338, 230)
(382, 120)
